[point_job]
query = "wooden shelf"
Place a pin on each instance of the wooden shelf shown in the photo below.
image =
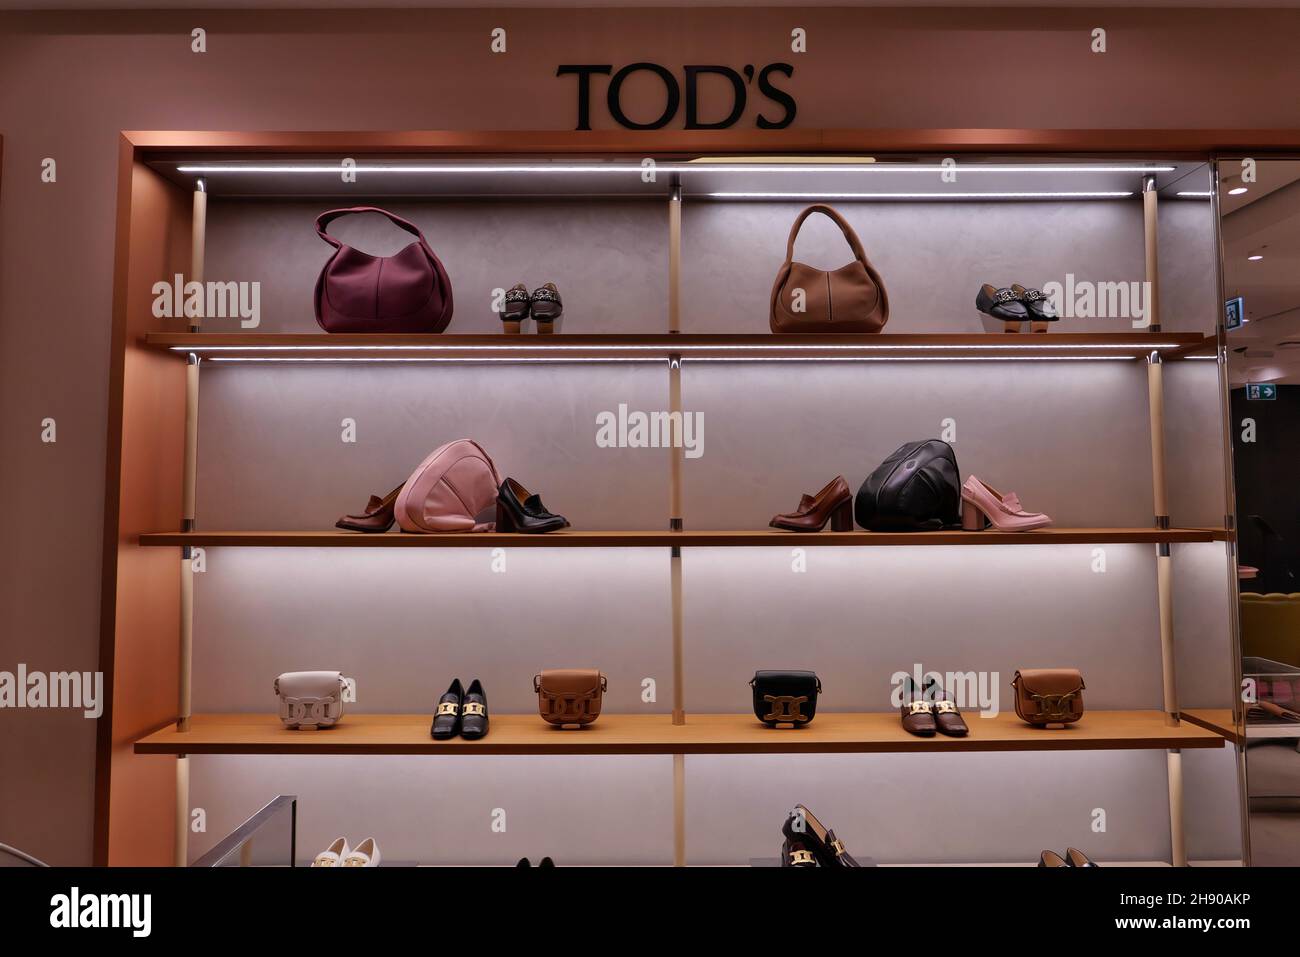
(568, 538)
(938, 346)
(1218, 720)
(830, 733)
(1221, 721)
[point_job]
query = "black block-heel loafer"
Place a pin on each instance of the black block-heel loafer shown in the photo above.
(1003, 304)
(829, 850)
(547, 307)
(518, 510)
(1041, 310)
(796, 854)
(473, 712)
(446, 720)
(516, 308)
(1076, 858)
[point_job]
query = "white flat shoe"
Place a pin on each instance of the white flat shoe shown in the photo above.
(365, 854)
(333, 855)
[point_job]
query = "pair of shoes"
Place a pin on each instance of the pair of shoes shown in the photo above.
(338, 854)
(378, 516)
(518, 510)
(930, 709)
(544, 862)
(1073, 858)
(981, 502)
(461, 712)
(807, 838)
(1014, 305)
(833, 503)
(544, 305)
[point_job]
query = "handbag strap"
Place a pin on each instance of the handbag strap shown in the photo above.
(496, 476)
(324, 219)
(849, 235)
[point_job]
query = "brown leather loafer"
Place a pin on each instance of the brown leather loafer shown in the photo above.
(946, 716)
(833, 503)
(378, 516)
(918, 718)
(949, 719)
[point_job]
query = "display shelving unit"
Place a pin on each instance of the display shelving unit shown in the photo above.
(148, 600)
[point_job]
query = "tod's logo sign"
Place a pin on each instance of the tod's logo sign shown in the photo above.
(675, 92)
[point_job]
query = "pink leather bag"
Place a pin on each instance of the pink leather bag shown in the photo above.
(358, 292)
(456, 483)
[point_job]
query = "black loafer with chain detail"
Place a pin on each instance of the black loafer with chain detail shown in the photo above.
(1004, 304)
(446, 720)
(1041, 309)
(547, 307)
(515, 309)
(829, 850)
(473, 712)
(796, 854)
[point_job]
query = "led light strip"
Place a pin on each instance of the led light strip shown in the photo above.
(669, 166)
(913, 359)
(521, 359)
(1195, 194)
(1143, 347)
(429, 359)
(1118, 194)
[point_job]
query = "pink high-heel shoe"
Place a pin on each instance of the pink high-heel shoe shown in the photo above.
(1004, 512)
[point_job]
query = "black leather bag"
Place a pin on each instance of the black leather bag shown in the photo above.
(785, 697)
(916, 489)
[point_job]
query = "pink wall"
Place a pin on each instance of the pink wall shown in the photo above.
(69, 82)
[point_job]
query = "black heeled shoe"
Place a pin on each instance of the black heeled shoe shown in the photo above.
(829, 850)
(1041, 310)
(474, 713)
(1076, 858)
(796, 854)
(446, 720)
(1003, 304)
(1051, 859)
(547, 308)
(518, 510)
(516, 309)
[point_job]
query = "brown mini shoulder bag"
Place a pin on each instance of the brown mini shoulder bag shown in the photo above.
(1049, 695)
(569, 698)
(849, 299)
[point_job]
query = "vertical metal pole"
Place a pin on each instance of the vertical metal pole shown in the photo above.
(675, 559)
(1160, 495)
(675, 255)
(1164, 559)
(679, 810)
(182, 811)
(675, 451)
(1177, 840)
(675, 515)
(1152, 249)
(198, 251)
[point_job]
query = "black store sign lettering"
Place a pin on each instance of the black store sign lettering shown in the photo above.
(674, 94)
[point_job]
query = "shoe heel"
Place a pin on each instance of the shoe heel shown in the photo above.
(504, 522)
(842, 517)
(545, 327)
(1008, 326)
(972, 519)
(1038, 327)
(511, 327)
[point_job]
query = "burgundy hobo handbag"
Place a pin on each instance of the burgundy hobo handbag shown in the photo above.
(357, 292)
